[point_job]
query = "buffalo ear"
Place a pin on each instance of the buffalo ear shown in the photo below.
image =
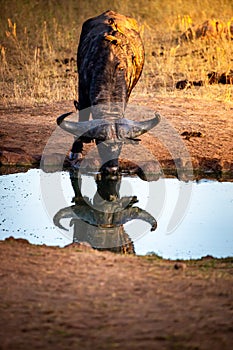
(76, 105)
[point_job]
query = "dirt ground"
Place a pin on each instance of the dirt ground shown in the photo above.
(53, 298)
(78, 298)
(192, 132)
(62, 298)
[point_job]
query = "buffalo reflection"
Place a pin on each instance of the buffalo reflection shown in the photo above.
(100, 222)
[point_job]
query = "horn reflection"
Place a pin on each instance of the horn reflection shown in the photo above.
(100, 221)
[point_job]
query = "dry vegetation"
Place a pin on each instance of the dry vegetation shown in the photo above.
(38, 43)
(54, 298)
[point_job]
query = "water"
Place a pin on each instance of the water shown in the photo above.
(193, 219)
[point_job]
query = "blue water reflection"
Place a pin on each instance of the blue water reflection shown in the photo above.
(30, 201)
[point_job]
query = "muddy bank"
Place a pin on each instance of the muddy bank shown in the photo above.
(193, 133)
(84, 299)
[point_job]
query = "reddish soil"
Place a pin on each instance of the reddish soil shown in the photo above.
(53, 298)
(78, 298)
(203, 128)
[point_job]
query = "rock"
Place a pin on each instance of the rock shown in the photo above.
(183, 84)
(180, 266)
(83, 246)
(210, 165)
(149, 171)
(188, 134)
(16, 240)
(16, 157)
(52, 162)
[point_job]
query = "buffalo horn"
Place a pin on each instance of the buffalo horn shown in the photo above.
(63, 214)
(129, 129)
(102, 130)
(88, 130)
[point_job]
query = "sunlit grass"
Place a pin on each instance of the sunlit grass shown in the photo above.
(38, 44)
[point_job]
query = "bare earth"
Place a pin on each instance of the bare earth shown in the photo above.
(53, 298)
(26, 130)
(78, 298)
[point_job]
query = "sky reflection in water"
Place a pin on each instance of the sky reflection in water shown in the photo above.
(207, 228)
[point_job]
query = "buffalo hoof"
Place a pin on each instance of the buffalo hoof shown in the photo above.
(75, 159)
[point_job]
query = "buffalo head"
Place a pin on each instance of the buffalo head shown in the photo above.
(110, 61)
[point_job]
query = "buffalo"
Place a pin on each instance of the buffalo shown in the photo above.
(110, 60)
(100, 221)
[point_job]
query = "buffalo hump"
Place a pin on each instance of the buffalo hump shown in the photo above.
(110, 49)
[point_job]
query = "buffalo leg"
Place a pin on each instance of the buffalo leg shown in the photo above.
(84, 113)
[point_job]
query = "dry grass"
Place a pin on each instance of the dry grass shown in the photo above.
(38, 43)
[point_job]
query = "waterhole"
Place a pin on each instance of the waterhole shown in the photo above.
(168, 217)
